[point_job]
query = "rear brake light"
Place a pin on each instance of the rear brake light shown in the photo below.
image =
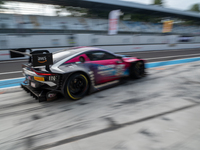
(44, 74)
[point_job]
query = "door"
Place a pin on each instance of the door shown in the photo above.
(106, 66)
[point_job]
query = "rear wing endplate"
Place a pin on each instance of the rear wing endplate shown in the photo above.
(36, 58)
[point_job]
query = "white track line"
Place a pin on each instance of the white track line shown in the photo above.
(12, 79)
(10, 72)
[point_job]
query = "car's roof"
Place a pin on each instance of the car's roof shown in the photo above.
(67, 53)
(78, 49)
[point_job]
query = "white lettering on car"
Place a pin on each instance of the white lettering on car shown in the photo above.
(106, 70)
(119, 69)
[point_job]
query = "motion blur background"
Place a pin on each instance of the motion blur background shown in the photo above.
(61, 23)
(159, 111)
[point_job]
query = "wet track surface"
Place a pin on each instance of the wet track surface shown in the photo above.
(11, 69)
(158, 112)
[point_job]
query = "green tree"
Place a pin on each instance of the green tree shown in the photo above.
(1, 4)
(195, 8)
(158, 2)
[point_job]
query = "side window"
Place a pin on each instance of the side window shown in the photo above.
(100, 55)
(109, 56)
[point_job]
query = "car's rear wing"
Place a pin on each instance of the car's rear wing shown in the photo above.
(36, 58)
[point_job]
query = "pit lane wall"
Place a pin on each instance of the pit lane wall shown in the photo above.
(117, 43)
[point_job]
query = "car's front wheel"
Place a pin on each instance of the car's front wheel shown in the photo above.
(137, 70)
(76, 86)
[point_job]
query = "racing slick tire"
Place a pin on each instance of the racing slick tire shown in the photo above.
(137, 70)
(76, 86)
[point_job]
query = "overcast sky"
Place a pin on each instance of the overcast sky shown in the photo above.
(175, 4)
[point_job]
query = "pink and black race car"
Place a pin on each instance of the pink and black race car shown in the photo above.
(75, 72)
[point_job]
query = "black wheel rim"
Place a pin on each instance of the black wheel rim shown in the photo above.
(77, 85)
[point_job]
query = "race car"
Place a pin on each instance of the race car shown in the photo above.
(75, 72)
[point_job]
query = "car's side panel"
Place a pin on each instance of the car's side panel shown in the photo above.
(104, 70)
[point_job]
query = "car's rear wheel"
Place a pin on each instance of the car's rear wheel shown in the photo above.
(76, 86)
(137, 70)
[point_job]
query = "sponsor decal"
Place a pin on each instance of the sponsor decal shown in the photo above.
(51, 96)
(52, 78)
(120, 69)
(33, 84)
(168, 26)
(39, 78)
(42, 59)
(106, 70)
(106, 67)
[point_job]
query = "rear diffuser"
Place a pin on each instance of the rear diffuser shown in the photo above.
(39, 95)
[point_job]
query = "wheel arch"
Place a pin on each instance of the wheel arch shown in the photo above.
(88, 78)
(82, 72)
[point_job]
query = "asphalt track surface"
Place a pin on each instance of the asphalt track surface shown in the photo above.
(158, 112)
(12, 69)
